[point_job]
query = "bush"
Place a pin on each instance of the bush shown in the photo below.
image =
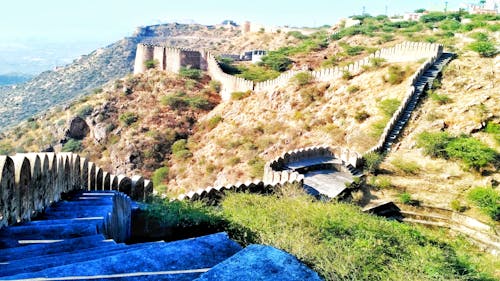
(487, 199)
(484, 49)
(361, 116)
(494, 129)
(277, 61)
(159, 175)
(457, 206)
(149, 64)
(72, 145)
(240, 95)
(479, 36)
(297, 35)
(346, 75)
(302, 78)
(256, 167)
(175, 101)
(405, 198)
(352, 89)
(407, 167)
(128, 118)
(389, 106)
(199, 102)
(395, 75)
(439, 99)
(377, 62)
(371, 161)
(215, 86)
(191, 73)
(180, 150)
(472, 152)
(257, 73)
(214, 121)
(85, 111)
(434, 144)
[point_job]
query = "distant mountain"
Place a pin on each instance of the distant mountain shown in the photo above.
(91, 71)
(13, 78)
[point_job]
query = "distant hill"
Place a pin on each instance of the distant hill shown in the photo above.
(13, 78)
(52, 88)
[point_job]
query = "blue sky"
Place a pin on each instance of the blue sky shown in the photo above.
(105, 20)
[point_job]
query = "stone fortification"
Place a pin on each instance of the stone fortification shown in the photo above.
(166, 58)
(411, 90)
(407, 51)
(33, 181)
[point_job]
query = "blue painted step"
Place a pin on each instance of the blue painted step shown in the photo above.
(259, 262)
(191, 254)
(66, 245)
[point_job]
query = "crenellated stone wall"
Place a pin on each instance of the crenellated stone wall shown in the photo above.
(277, 166)
(167, 58)
(215, 193)
(30, 182)
(406, 51)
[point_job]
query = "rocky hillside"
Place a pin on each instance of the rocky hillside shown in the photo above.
(92, 71)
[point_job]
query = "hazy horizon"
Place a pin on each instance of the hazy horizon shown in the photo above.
(54, 32)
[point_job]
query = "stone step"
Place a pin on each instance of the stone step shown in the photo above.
(66, 245)
(91, 212)
(33, 264)
(14, 236)
(93, 220)
(190, 254)
(42, 262)
(259, 262)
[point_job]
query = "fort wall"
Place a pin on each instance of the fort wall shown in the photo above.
(30, 182)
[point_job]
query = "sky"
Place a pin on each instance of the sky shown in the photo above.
(111, 19)
(88, 24)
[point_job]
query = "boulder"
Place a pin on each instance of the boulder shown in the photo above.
(77, 128)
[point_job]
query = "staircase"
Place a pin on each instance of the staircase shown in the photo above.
(421, 85)
(66, 243)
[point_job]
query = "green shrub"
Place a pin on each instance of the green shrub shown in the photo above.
(472, 152)
(234, 160)
(199, 102)
(346, 75)
(484, 49)
(159, 175)
(215, 86)
(297, 35)
(240, 95)
(406, 166)
(180, 150)
(128, 118)
(405, 198)
(84, 111)
(434, 144)
(450, 24)
(371, 161)
(302, 78)
(256, 167)
(487, 199)
(191, 73)
(276, 61)
(353, 50)
(149, 64)
(479, 36)
(395, 75)
(389, 106)
(227, 66)
(257, 73)
(377, 62)
(439, 99)
(457, 206)
(214, 121)
(381, 182)
(353, 89)
(494, 129)
(361, 116)
(175, 101)
(377, 128)
(72, 145)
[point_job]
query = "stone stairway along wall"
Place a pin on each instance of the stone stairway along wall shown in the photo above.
(403, 52)
(411, 90)
(31, 182)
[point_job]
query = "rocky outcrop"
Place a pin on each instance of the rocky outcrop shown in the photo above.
(77, 128)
